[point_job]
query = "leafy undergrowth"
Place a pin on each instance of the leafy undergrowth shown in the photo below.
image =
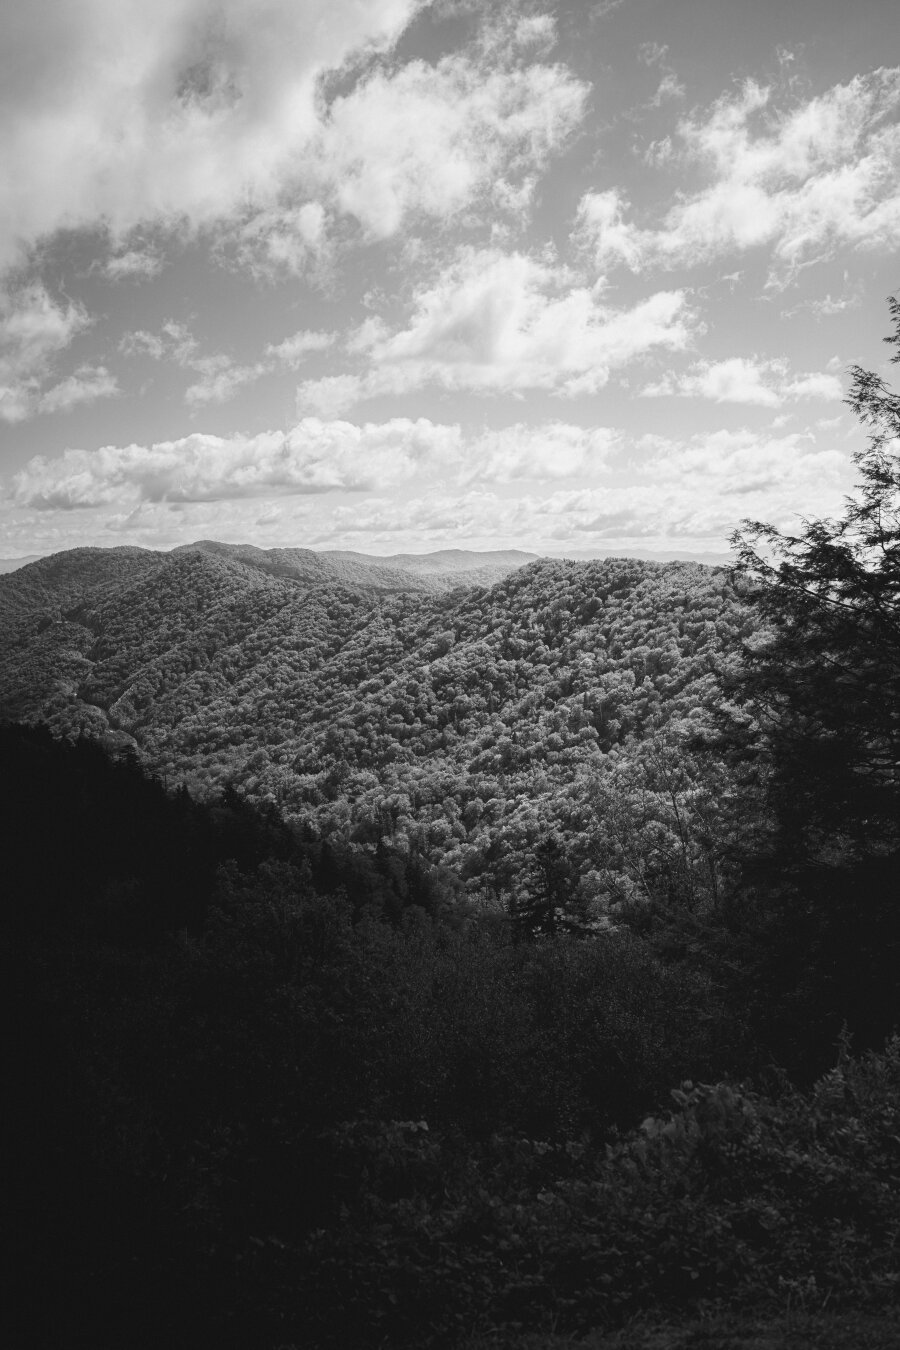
(758, 1203)
(792, 1331)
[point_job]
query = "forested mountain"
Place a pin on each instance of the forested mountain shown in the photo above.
(12, 564)
(430, 572)
(472, 726)
(353, 929)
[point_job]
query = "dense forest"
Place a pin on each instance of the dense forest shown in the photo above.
(434, 954)
(470, 728)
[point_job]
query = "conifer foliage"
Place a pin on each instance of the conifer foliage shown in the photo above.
(829, 677)
(825, 686)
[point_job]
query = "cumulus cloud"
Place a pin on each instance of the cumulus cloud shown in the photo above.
(181, 110)
(802, 182)
(34, 330)
(791, 471)
(139, 264)
(330, 395)
(292, 351)
(553, 451)
(698, 488)
(220, 379)
(602, 228)
(86, 385)
(505, 322)
(690, 495)
(743, 379)
(688, 491)
(193, 113)
(312, 457)
(433, 139)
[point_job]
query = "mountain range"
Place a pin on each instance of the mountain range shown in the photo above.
(373, 699)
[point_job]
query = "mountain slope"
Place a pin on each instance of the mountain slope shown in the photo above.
(469, 725)
(432, 572)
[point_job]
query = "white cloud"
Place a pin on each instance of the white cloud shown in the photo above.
(86, 385)
(134, 263)
(536, 30)
(294, 350)
(426, 484)
(743, 379)
(284, 238)
(329, 396)
(220, 379)
(496, 321)
(34, 329)
(313, 457)
(120, 111)
(434, 139)
(803, 182)
(522, 452)
(198, 113)
(174, 342)
(602, 228)
(789, 472)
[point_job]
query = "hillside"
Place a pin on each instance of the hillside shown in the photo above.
(470, 725)
(431, 572)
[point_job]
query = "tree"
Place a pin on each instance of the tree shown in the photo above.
(827, 680)
(822, 936)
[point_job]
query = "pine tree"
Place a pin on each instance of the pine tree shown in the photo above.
(821, 943)
(827, 681)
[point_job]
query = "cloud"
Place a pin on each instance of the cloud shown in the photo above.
(601, 227)
(198, 113)
(183, 110)
(294, 350)
(220, 379)
(34, 329)
(330, 395)
(434, 139)
(504, 322)
(521, 452)
(174, 342)
(789, 472)
(86, 385)
(743, 379)
(313, 457)
(284, 238)
(135, 263)
(426, 483)
(803, 182)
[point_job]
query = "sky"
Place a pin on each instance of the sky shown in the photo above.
(385, 275)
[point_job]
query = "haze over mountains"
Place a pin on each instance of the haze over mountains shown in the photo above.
(439, 563)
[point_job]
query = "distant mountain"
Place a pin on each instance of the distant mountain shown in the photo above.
(13, 564)
(431, 572)
(441, 561)
(464, 721)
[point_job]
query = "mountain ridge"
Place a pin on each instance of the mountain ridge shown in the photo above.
(458, 722)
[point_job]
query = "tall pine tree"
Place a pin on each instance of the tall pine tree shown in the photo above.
(820, 944)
